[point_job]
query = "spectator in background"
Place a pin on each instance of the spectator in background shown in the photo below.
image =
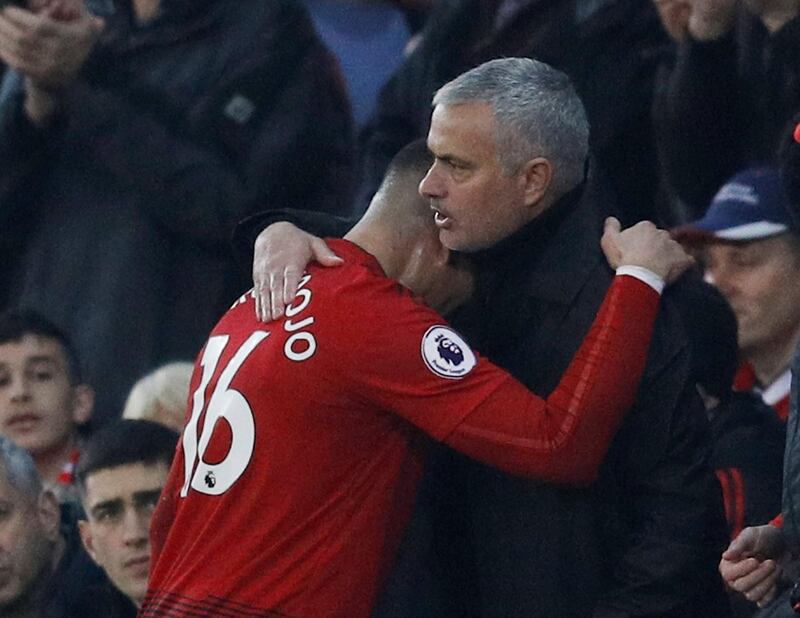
(161, 396)
(724, 98)
(758, 564)
(43, 400)
(42, 566)
(368, 38)
(130, 146)
(121, 475)
(751, 251)
(747, 437)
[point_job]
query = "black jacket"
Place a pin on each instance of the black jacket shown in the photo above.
(115, 221)
(748, 450)
(79, 588)
(644, 541)
(722, 106)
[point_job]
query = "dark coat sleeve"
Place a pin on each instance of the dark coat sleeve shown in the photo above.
(22, 144)
(695, 114)
(791, 462)
(288, 142)
(668, 509)
(320, 224)
(23, 149)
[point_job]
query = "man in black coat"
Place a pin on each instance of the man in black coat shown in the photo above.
(129, 148)
(510, 141)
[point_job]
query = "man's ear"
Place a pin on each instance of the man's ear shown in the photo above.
(87, 538)
(49, 514)
(82, 403)
(536, 176)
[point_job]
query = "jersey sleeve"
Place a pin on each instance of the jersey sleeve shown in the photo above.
(409, 362)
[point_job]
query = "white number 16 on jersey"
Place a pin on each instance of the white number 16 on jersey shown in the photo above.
(225, 403)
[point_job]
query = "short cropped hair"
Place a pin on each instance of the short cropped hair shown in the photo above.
(14, 325)
(414, 158)
(19, 469)
(398, 195)
(126, 442)
(537, 113)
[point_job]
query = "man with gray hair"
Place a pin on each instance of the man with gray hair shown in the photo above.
(507, 184)
(30, 543)
(43, 571)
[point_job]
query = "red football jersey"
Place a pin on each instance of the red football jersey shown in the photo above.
(296, 472)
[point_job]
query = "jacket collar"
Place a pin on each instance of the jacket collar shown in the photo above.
(553, 255)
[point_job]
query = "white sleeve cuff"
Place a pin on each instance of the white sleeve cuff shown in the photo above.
(643, 274)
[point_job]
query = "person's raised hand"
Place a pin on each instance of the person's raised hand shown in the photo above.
(674, 15)
(752, 563)
(281, 253)
(711, 19)
(644, 245)
(48, 47)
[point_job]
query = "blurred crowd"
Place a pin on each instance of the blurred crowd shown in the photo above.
(145, 145)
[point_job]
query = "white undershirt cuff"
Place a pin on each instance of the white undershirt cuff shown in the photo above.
(643, 274)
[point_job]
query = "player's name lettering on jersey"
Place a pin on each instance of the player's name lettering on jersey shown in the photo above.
(301, 344)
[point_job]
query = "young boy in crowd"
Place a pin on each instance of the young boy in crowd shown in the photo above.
(43, 401)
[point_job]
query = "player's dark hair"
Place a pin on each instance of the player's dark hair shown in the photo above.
(398, 194)
(413, 157)
(126, 442)
(14, 325)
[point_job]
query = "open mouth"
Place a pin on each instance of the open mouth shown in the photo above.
(440, 219)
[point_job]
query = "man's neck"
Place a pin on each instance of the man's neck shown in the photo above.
(145, 10)
(774, 361)
(779, 14)
(378, 242)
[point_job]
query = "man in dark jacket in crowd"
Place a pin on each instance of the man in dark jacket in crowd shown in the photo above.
(121, 475)
(129, 147)
(758, 563)
(510, 141)
(723, 100)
